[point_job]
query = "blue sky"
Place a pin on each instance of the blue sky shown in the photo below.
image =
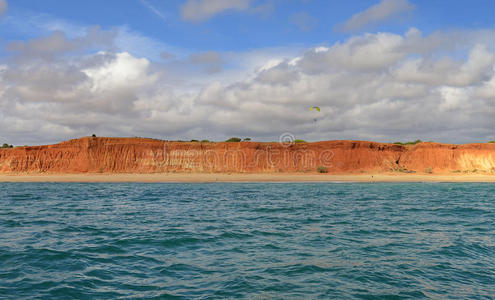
(232, 30)
(381, 70)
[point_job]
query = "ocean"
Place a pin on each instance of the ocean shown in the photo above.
(247, 240)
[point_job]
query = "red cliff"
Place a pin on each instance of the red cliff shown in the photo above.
(137, 155)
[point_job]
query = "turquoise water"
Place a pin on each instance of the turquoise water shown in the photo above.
(247, 240)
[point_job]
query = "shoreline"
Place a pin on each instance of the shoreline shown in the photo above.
(244, 177)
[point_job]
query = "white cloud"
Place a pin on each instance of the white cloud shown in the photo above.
(487, 90)
(282, 73)
(375, 14)
(58, 43)
(366, 52)
(201, 10)
(211, 60)
(453, 98)
(3, 7)
(477, 68)
(125, 39)
(123, 71)
(380, 86)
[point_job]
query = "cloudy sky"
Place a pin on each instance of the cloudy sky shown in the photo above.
(382, 70)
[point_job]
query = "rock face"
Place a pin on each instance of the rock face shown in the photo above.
(137, 155)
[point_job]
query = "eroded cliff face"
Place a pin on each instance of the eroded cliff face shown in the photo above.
(136, 155)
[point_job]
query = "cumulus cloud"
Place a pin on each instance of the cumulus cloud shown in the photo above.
(381, 86)
(3, 7)
(375, 14)
(211, 61)
(477, 68)
(201, 10)
(360, 53)
(58, 43)
(366, 89)
(165, 55)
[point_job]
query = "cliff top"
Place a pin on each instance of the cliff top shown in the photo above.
(139, 141)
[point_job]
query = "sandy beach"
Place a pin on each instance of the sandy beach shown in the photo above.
(246, 177)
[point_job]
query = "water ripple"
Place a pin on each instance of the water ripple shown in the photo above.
(249, 240)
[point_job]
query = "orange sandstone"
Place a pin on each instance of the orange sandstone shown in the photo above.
(138, 155)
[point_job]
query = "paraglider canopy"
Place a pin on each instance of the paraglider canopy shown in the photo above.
(317, 108)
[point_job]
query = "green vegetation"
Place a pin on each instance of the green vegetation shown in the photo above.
(322, 169)
(413, 143)
(195, 141)
(247, 139)
(493, 142)
(299, 141)
(466, 171)
(403, 170)
(234, 140)
(7, 146)
(93, 135)
(409, 143)
(205, 141)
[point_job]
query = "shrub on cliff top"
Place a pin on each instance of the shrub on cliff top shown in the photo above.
(414, 143)
(299, 141)
(491, 142)
(234, 139)
(7, 146)
(409, 143)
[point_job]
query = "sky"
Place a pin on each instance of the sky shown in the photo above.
(380, 70)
